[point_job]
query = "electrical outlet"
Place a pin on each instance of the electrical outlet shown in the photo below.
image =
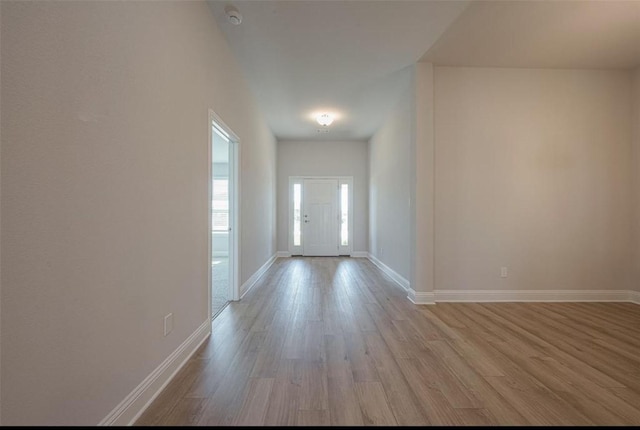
(503, 272)
(168, 323)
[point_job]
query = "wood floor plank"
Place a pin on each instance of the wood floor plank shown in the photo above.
(313, 341)
(186, 412)
(221, 360)
(343, 402)
(344, 407)
(374, 405)
(398, 344)
(448, 331)
(428, 330)
(578, 323)
(313, 391)
(313, 419)
(362, 364)
(402, 400)
(619, 401)
(476, 358)
(554, 350)
(624, 362)
(227, 399)
(269, 355)
(535, 405)
(619, 319)
(256, 401)
(558, 387)
(294, 337)
(476, 417)
(330, 314)
(606, 362)
(175, 391)
(334, 341)
(442, 379)
(434, 405)
(495, 405)
(285, 395)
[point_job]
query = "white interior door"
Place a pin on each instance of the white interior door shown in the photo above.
(320, 217)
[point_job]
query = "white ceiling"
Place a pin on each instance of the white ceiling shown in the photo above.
(347, 57)
(352, 58)
(543, 34)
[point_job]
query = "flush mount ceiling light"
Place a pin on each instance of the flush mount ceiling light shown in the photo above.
(324, 119)
(233, 16)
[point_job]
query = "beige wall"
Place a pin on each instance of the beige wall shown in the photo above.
(635, 168)
(389, 188)
(104, 195)
(532, 173)
(317, 158)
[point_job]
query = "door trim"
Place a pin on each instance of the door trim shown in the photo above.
(234, 252)
(342, 250)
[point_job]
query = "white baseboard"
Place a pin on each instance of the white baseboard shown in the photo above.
(359, 254)
(283, 254)
(390, 272)
(420, 297)
(634, 297)
(244, 288)
(476, 296)
(130, 409)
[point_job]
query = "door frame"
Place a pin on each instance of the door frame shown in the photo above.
(298, 250)
(234, 208)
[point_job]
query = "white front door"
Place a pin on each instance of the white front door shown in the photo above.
(320, 217)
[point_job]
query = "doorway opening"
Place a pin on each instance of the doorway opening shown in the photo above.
(320, 215)
(223, 215)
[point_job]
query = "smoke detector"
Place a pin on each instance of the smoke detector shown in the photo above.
(233, 16)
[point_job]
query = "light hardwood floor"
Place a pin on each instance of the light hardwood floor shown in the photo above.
(333, 341)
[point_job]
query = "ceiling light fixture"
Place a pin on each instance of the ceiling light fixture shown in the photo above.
(233, 16)
(324, 119)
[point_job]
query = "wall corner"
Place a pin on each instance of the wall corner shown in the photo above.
(422, 180)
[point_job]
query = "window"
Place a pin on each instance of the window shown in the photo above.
(297, 201)
(220, 205)
(344, 215)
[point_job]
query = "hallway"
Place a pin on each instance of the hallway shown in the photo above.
(333, 341)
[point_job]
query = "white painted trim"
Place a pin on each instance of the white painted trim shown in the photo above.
(342, 250)
(389, 272)
(634, 297)
(360, 254)
(130, 409)
(476, 296)
(235, 219)
(420, 297)
(283, 254)
(210, 211)
(234, 251)
(244, 289)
